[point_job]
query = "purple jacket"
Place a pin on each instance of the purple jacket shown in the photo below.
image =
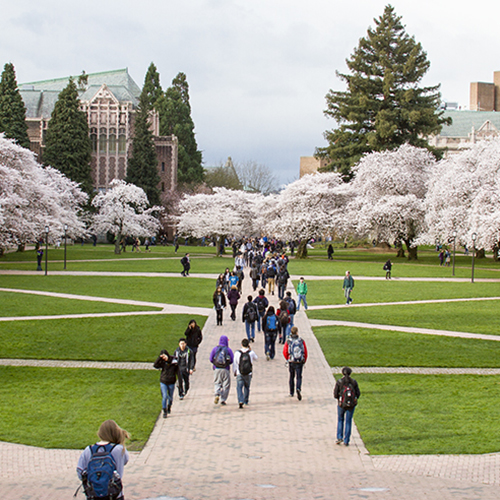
(233, 296)
(223, 341)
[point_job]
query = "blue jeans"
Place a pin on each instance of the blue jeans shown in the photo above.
(302, 298)
(347, 294)
(281, 291)
(295, 369)
(167, 394)
(243, 387)
(259, 319)
(291, 320)
(250, 329)
(344, 415)
(270, 341)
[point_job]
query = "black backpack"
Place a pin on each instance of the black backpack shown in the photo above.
(284, 318)
(251, 316)
(260, 304)
(245, 365)
(222, 358)
(348, 399)
(291, 306)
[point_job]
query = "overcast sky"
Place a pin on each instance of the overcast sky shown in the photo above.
(258, 70)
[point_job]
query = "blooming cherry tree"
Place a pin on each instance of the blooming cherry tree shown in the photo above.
(388, 194)
(123, 211)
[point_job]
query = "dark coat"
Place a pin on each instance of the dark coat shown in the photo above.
(169, 368)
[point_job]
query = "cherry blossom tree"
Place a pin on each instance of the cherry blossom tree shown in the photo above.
(464, 196)
(33, 197)
(307, 207)
(123, 211)
(223, 213)
(388, 195)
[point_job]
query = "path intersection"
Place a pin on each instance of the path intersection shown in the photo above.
(276, 448)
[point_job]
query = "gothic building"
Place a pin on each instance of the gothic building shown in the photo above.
(109, 100)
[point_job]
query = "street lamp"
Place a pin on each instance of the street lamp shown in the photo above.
(474, 236)
(66, 228)
(46, 247)
(454, 241)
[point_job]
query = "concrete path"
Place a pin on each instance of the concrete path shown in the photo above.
(276, 448)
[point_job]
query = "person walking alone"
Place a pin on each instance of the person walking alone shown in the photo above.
(301, 293)
(347, 393)
(347, 286)
(295, 352)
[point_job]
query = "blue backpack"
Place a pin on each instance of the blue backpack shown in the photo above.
(100, 478)
(272, 324)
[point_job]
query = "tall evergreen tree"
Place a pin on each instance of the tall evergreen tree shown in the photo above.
(12, 109)
(152, 87)
(68, 146)
(383, 106)
(175, 118)
(142, 169)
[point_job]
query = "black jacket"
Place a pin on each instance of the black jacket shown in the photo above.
(168, 369)
(193, 337)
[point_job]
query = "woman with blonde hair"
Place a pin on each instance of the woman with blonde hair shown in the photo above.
(100, 466)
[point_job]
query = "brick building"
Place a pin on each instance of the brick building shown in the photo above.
(109, 100)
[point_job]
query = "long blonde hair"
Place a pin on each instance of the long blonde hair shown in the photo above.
(111, 432)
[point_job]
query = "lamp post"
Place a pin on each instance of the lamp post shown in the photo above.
(474, 236)
(66, 228)
(454, 241)
(46, 247)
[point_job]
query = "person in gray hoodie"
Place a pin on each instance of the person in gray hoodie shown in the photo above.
(222, 358)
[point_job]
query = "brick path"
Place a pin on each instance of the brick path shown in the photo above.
(276, 448)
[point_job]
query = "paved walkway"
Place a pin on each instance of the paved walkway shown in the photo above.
(276, 448)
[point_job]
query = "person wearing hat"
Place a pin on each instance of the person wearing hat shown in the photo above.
(347, 393)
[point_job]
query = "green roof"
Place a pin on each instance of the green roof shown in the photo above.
(463, 121)
(40, 97)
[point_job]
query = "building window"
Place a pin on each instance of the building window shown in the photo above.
(163, 166)
(93, 139)
(163, 186)
(122, 142)
(102, 140)
(112, 141)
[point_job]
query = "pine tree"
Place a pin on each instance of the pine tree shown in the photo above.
(12, 109)
(383, 106)
(68, 146)
(142, 169)
(175, 118)
(152, 87)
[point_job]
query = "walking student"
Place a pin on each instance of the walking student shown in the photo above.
(301, 293)
(270, 327)
(185, 363)
(194, 337)
(169, 370)
(222, 358)
(295, 352)
(186, 265)
(100, 466)
(387, 269)
(219, 300)
(249, 317)
(233, 297)
(347, 286)
(262, 303)
(243, 368)
(347, 393)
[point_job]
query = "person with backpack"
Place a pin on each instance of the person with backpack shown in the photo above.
(270, 327)
(169, 371)
(194, 338)
(241, 276)
(282, 279)
(185, 362)
(284, 321)
(242, 368)
(221, 358)
(347, 393)
(292, 307)
(271, 275)
(254, 276)
(295, 352)
(186, 265)
(261, 302)
(249, 317)
(301, 293)
(387, 269)
(100, 466)
(219, 300)
(347, 286)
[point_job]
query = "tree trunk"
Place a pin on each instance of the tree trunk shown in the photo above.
(412, 251)
(480, 253)
(302, 250)
(21, 247)
(496, 248)
(118, 248)
(219, 242)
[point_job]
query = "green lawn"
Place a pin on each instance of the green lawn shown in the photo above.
(123, 338)
(21, 304)
(189, 291)
(429, 414)
(472, 317)
(63, 408)
(330, 291)
(366, 347)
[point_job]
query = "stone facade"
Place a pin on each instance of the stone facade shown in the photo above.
(109, 100)
(310, 164)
